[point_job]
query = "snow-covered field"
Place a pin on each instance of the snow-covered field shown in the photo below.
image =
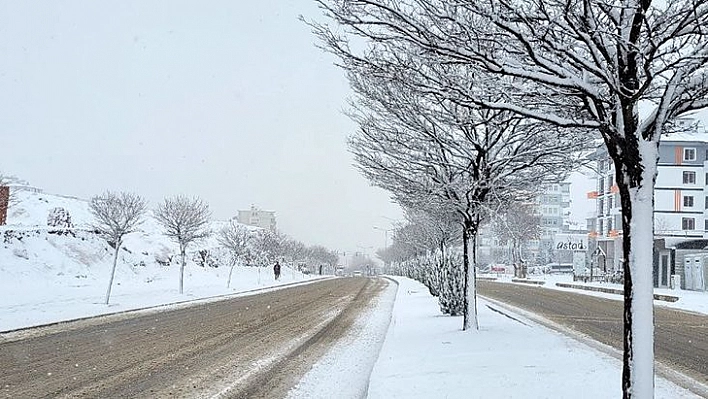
(49, 275)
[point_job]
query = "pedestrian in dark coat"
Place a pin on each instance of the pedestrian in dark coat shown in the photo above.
(276, 270)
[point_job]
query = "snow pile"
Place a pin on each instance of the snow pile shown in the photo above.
(52, 274)
(426, 355)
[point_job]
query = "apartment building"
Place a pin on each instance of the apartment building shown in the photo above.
(680, 194)
(257, 217)
(552, 207)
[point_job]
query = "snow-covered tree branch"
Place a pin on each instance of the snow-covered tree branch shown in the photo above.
(184, 220)
(571, 63)
(116, 215)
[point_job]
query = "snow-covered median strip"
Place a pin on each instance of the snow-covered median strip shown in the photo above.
(343, 372)
(426, 355)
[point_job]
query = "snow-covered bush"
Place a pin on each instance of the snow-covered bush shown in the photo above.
(452, 294)
(205, 257)
(59, 217)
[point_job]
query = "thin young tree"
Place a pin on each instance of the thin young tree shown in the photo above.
(184, 220)
(592, 64)
(116, 214)
(235, 238)
(516, 224)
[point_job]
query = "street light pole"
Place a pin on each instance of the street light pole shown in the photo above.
(385, 235)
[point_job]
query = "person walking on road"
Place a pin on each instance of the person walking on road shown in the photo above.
(276, 270)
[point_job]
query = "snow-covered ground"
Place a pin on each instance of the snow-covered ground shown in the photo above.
(426, 355)
(49, 275)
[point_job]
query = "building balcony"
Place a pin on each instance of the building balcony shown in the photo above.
(614, 233)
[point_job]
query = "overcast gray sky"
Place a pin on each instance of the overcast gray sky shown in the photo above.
(227, 100)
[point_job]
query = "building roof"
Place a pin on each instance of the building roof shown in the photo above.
(699, 136)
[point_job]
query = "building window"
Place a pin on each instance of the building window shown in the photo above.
(688, 223)
(707, 176)
(689, 154)
(688, 201)
(706, 225)
(689, 177)
(707, 202)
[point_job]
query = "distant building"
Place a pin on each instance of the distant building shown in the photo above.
(4, 203)
(680, 198)
(554, 209)
(552, 206)
(257, 217)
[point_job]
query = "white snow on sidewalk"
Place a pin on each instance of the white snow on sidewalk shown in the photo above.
(426, 355)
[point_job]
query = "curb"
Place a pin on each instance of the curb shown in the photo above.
(165, 306)
(524, 281)
(678, 378)
(658, 297)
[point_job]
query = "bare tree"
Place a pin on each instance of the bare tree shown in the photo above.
(267, 246)
(588, 64)
(515, 225)
(185, 220)
(426, 149)
(323, 256)
(115, 216)
(235, 238)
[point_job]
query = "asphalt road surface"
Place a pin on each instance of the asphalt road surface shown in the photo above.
(681, 338)
(255, 346)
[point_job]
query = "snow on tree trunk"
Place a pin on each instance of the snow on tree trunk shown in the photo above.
(637, 242)
(469, 319)
(181, 270)
(113, 271)
(473, 282)
(231, 271)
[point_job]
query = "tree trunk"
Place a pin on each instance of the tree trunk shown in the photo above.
(466, 280)
(636, 187)
(473, 280)
(182, 251)
(469, 319)
(228, 283)
(113, 271)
